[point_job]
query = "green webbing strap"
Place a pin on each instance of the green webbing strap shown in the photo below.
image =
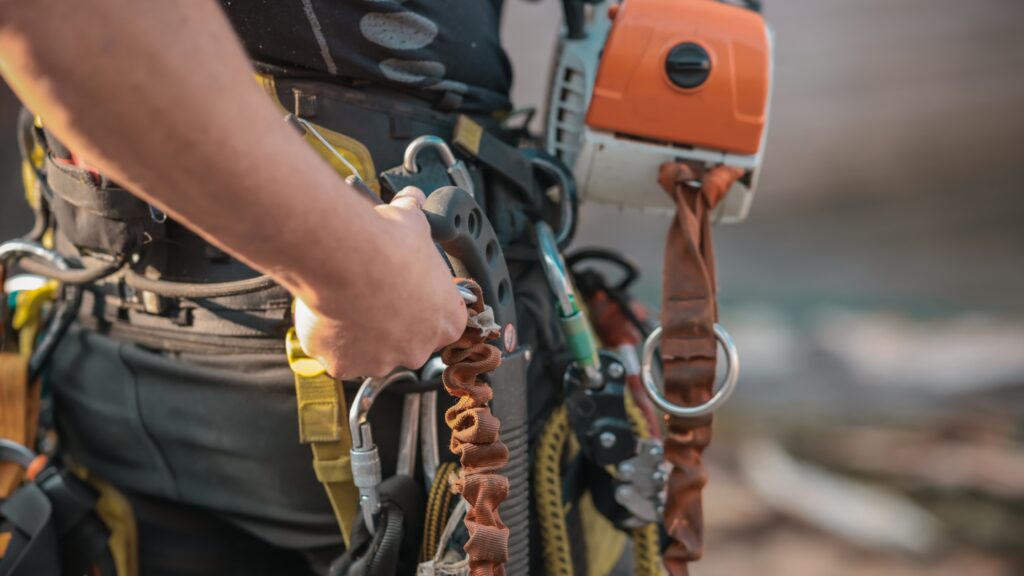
(323, 415)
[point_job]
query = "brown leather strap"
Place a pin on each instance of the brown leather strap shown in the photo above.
(688, 349)
(475, 439)
(19, 414)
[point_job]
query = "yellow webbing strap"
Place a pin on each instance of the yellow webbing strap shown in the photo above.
(19, 398)
(323, 414)
(351, 149)
(28, 315)
(28, 170)
(116, 512)
(323, 417)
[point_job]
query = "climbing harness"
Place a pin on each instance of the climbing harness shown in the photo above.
(51, 526)
(471, 248)
(604, 466)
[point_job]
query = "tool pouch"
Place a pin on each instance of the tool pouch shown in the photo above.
(394, 547)
(55, 529)
(98, 217)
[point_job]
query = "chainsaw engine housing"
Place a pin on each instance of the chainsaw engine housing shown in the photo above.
(682, 80)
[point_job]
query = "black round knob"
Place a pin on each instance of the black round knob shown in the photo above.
(688, 65)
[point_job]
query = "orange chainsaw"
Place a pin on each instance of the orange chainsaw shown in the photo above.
(642, 82)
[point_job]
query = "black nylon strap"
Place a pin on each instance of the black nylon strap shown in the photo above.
(76, 188)
(33, 550)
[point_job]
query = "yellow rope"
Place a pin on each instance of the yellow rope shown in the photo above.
(548, 487)
(439, 505)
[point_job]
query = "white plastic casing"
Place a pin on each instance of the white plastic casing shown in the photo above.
(623, 172)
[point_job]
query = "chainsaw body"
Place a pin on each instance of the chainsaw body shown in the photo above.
(662, 80)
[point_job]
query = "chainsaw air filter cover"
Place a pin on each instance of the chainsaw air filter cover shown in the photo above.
(678, 79)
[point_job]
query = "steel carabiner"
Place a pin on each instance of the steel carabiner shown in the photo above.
(366, 470)
(578, 333)
(457, 169)
(66, 311)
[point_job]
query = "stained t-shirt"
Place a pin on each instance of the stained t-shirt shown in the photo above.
(434, 46)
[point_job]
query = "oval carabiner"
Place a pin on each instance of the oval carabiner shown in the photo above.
(732, 375)
(456, 168)
(20, 248)
(365, 458)
(66, 311)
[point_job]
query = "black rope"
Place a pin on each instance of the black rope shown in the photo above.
(71, 275)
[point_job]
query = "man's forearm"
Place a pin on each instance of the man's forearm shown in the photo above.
(160, 96)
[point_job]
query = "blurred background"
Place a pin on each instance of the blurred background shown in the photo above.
(874, 293)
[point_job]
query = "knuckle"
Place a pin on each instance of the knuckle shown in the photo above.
(452, 331)
(377, 369)
(415, 358)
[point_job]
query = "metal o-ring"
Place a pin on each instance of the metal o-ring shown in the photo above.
(732, 374)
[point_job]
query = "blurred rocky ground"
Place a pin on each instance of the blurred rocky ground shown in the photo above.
(874, 293)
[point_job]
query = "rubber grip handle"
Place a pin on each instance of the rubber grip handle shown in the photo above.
(458, 224)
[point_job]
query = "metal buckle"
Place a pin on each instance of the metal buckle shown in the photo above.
(456, 168)
(654, 389)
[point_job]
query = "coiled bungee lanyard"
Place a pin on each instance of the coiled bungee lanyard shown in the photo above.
(476, 439)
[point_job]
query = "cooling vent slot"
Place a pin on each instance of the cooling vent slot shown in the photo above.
(570, 109)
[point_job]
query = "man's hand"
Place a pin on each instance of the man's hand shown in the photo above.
(170, 111)
(408, 309)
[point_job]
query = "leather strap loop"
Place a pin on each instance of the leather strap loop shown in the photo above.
(688, 352)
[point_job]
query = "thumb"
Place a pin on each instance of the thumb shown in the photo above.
(410, 198)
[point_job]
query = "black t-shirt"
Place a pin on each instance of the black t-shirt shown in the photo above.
(435, 46)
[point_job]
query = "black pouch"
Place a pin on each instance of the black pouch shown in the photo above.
(98, 217)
